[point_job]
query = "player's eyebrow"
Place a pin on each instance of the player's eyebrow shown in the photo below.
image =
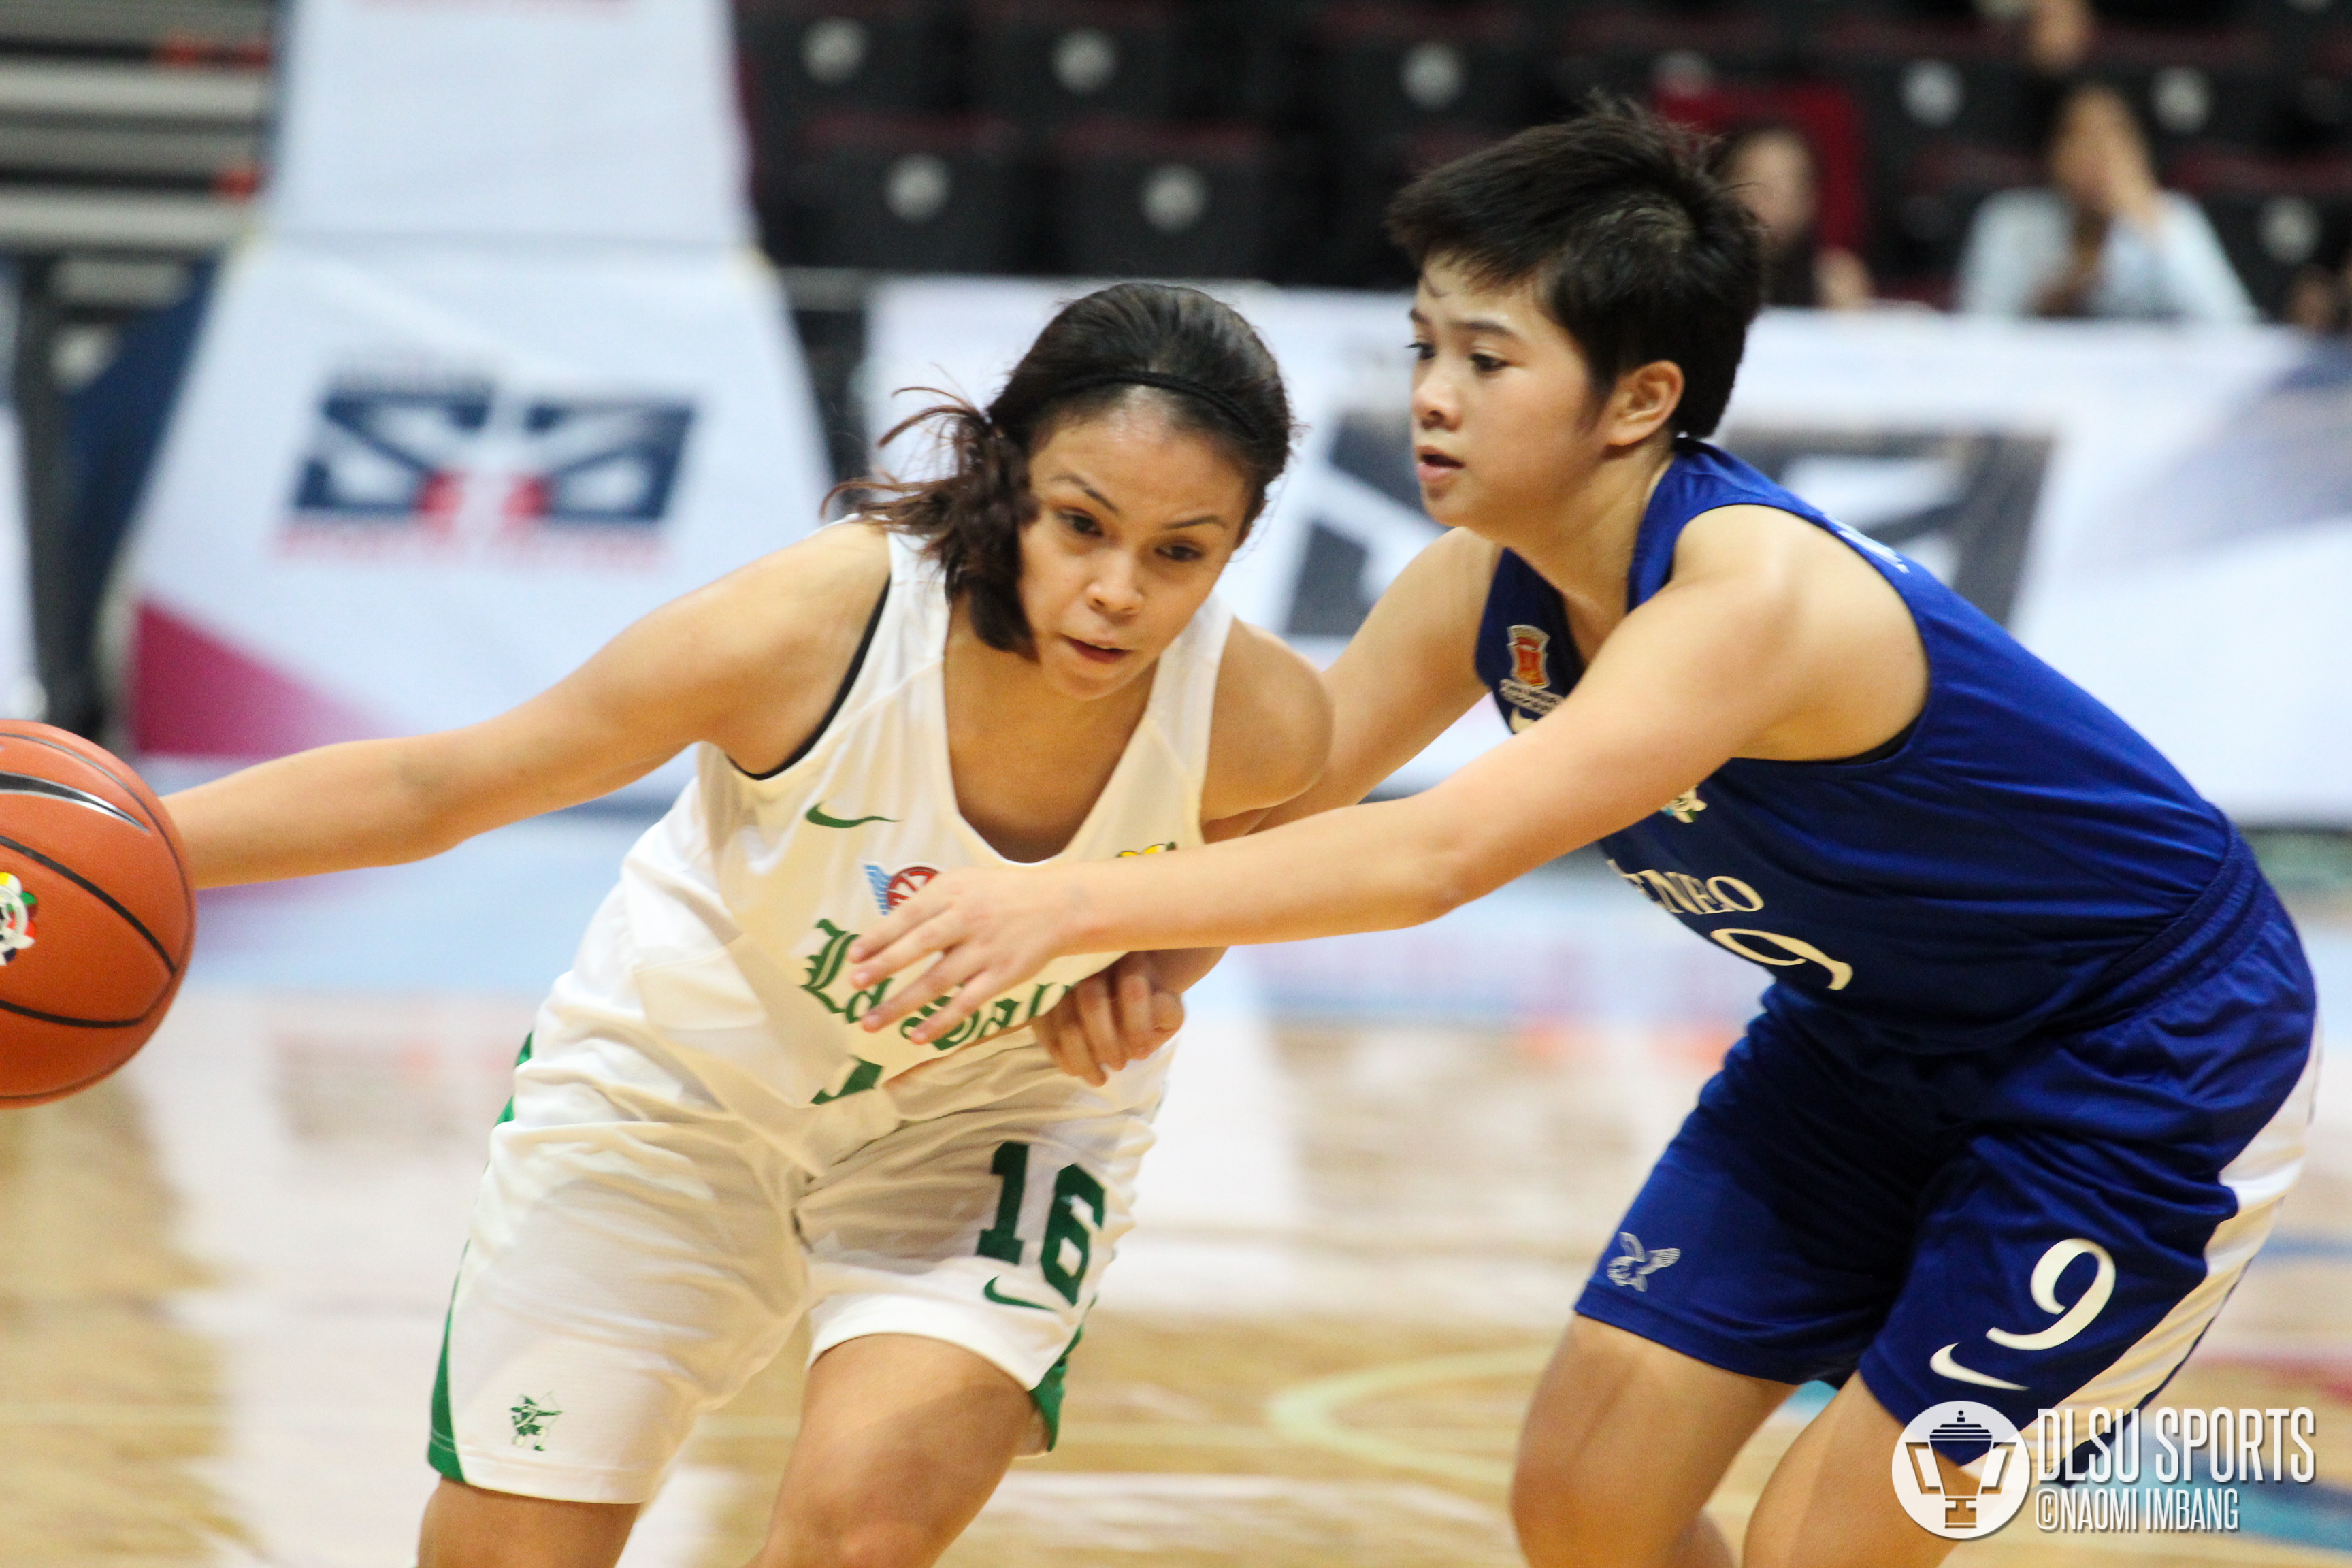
(1476, 325)
(1195, 522)
(1100, 499)
(1488, 326)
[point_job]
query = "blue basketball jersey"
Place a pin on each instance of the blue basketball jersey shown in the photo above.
(2005, 866)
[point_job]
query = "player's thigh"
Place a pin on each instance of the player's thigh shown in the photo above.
(630, 1264)
(902, 1441)
(2055, 1267)
(985, 1218)
(467, 1527)
(1624, 1443)
(1773, 1234)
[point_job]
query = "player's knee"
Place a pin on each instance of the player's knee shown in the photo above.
(1559, 1522)
(1565, 1520)
(866, 1543)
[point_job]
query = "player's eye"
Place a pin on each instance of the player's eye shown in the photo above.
(1486, 364)
(1422, 349)
(1181, 553)
(1079, 522)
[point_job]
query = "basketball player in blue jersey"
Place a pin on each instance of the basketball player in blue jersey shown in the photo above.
(1020, 659)
(2035, 1065)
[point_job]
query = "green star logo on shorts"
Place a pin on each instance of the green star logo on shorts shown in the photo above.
(530, 1423)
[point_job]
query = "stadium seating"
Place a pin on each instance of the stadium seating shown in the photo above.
(1046, 62)
(1385, 70)
(1939, 192)
(2272, 215)
(1310, 115)
(906, 193)
(1169, 201)
(2209, 86)
(802, 59)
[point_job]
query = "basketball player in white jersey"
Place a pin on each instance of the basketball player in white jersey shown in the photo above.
(1019, 662)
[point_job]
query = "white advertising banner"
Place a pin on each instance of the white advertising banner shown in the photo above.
(543, 120)
(500, 375)
(2164, 513)
(407, 487)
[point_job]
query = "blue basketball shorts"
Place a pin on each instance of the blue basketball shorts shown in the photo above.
(2053, 1224)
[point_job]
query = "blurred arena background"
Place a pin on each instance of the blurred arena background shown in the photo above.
(373, 361)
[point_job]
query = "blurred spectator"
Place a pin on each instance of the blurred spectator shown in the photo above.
(1771, 169)
(2103, 238)
(2320, 299)
(2057, 36)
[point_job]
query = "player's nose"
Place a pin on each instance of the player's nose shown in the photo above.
(1117, 588)
(1433, 404)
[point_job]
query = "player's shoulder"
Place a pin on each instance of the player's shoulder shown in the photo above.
(1272, 729)
(1457, 560)
(836, 561)
(806, 603)
(1766, 548)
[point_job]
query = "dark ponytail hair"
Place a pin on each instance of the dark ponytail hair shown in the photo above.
(1204, 367)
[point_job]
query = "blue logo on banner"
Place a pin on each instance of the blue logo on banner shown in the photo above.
(421, 454)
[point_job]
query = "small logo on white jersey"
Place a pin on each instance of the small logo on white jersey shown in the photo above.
(893, 888)
(1635, 1265)
(1989, 1476)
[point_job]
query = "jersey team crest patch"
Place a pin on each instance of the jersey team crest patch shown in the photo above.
(1529, 667)
(893, 888)
(1528, 689)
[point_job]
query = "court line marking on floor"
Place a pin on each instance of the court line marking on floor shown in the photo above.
(1308, 1412)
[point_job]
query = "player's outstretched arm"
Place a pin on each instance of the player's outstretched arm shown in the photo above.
(737, 663)
(1765, 644)
(1272, 732)
(1405, 676)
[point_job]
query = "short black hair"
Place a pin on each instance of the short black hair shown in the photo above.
(1636, 248)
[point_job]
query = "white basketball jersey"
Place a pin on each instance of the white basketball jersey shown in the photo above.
(735, 913)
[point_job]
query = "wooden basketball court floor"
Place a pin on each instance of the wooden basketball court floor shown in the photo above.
(1386, 1164)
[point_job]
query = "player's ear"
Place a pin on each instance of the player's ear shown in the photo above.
(1646, 398)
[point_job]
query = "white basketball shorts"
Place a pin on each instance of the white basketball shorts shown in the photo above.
(651, 1228)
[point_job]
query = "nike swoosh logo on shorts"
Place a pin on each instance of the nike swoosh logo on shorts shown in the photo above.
(989, 1290)
(1943, 1366)
(816, 815)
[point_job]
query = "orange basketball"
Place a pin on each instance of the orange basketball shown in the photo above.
(96, 914)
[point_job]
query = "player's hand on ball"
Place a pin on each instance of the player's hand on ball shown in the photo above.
(986, 928)
(1112, 1017)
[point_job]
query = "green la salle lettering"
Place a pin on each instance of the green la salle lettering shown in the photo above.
(1004, 1014)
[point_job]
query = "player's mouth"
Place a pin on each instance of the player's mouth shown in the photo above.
(1431, 467)
(1095, 652)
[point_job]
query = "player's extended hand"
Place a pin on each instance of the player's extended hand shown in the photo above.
(1112, 1017)
(990, 927)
